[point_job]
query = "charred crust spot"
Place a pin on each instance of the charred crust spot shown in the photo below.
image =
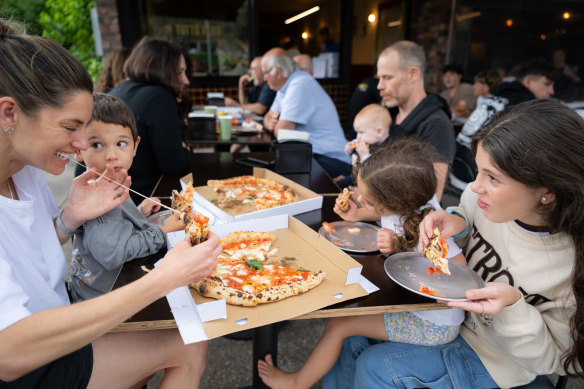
(269, 299)
(249, 297)
(202, 288)
(216, 278)
(259, 295)
(239, 294)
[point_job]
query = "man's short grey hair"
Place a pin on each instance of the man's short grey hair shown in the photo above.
(284, 62)
(410, 55)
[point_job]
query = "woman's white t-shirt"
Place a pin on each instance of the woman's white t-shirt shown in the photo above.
(452, 316)
(32, 262)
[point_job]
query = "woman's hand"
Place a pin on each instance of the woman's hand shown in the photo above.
(385, 241)
(93, 194)
(173, 223)
(488, 300)
(186, 264)
(447, 223)
(149, 206)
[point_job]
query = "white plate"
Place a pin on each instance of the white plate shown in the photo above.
(363, 242)
(409, 271)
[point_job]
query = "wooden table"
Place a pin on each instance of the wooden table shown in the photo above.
(390, 298)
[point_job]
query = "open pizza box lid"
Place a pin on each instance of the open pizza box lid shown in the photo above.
(307, 199)
(300, 247)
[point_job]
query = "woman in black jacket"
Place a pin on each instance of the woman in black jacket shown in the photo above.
(156, 71)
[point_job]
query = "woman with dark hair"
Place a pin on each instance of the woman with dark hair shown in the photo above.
(45, 341)
(112, 72)
(525, 225)
(156, 71)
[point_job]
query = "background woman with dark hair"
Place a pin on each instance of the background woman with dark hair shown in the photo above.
(112, 72)
(156, 71)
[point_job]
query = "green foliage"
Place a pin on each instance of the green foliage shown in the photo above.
(68, 22)
(26, 12)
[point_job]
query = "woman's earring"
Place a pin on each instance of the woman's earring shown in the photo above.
(543, 199)
(9, 130)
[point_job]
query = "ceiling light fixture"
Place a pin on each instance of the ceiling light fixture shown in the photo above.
(301, 15)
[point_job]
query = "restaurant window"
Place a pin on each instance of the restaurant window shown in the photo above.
(317, 33)
(215, 32)
(500, 35)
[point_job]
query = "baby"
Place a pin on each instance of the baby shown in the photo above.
(372, 127)
(104, 244)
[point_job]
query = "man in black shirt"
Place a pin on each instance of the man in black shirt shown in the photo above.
(400, 69)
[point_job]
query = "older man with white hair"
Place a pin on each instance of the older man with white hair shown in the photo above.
(302, 104)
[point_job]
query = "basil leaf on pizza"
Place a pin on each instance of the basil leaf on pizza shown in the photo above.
(241, 278)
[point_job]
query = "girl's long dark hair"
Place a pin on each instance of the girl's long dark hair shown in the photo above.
(401, 178)
(540, 144)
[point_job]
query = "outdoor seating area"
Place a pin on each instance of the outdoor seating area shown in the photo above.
(259, 194)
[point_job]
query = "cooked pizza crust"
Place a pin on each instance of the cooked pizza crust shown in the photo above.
(280, 292)
(435, 252)
(343, 200)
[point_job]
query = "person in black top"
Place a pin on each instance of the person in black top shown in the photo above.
(156, 80)
(534, 81)
(259, 99)
(400, 68)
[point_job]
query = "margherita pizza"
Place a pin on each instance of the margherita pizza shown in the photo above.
(183, 202)
(249, 193)
(242, 279)
(436, 252)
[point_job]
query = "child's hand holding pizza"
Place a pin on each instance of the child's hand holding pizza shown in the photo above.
(173, 223)
(150, 206)
(448, 224)
(362, 149)
(385, 241)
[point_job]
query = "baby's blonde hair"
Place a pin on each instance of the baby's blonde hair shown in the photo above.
(376, 116)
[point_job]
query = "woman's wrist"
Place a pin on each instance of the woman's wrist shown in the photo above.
(460, 215)
(64, 224)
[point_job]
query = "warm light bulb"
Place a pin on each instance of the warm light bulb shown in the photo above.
(566, 15)
(371, 18)
(304, 35)
(543, 37)
(509, 22)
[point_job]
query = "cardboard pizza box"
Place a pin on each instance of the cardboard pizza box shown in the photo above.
(300, 247)
(308, 200)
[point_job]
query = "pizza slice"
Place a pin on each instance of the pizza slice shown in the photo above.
(247, 244)
(183, 202)
(436, 252)
(343, 200)
(196, 227)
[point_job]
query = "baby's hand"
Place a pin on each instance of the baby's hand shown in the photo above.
(385, 241)
(150, 206)
(350, 147)
(362, 149)
(173, 223)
